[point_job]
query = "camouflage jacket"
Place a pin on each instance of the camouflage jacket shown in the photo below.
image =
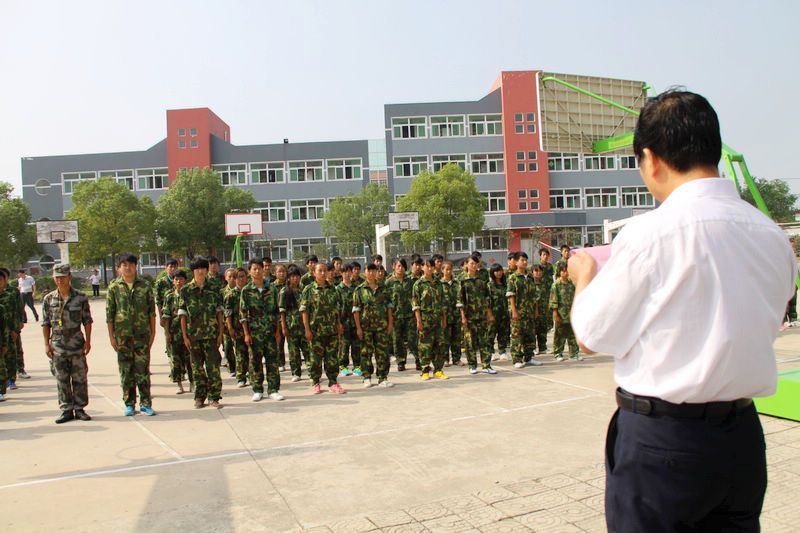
(473, 297)
(306, 280)
(522, 288)
(560, 262)
(322, 306)
(401, 292)
(294, 318)
(450, 291)
(216, 282)
(259, 310)
(346, 303)
(230, 301)
(542, 291)
(373, 306)
(169, 311)
(11, 299)
(4, 330)
(427, 296)
(65, 319)
(561, 297)
(497, 298)
(279, 285)
(130, 310)
(548, 272)
(200, 307)
(483, 275)
(161, 287)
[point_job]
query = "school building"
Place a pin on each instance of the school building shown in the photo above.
(501, 138)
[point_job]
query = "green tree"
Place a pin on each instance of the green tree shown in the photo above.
(449, 205)
(111, 220)
(17, 236)
(191, 215)
(352, 218)
(778, 198)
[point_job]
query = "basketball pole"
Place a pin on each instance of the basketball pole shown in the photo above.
(381, 232)
(237, 251)
(63, 250)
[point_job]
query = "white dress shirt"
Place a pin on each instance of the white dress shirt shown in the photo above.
(692, 298)
(26, 284)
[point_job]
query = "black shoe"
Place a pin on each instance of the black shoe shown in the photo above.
(66, 416)
(80, 414)
(419, 367)
(401, 368)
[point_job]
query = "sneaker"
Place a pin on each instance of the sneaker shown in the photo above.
(489, 370)
(425, 376)
(129, 410)
(22, 373)
(519, 365)
(316, 389)
(180, 390)
(147, 410)
(447, 364)
(277, 396)
(2, 397)
(441, 375)
(473, 370)
(80, 414)
(459, 363)
(295, 379)
(242, 384)
(11, 385)
(191, 387)
(232, 374)
(258, 396)
(66, 416)
(199, 404)
(534, 362)
(367, 383)
(216, 404)
(386, 383)
(357, 371)
(344, 371)
(559, 358)
(336, 388)
(576, 357)
(281, 369)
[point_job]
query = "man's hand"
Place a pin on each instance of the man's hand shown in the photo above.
(48, 350)
(514, 315)
(219, 339)
(309, 335)
(582, 269)
(187, 343)
(14, 335)
(419, 325)
(248, 339)
(556, 318)
(86, 347)
(360, 333)
(285, 330)
(464, 322)
(114, 344)
(389, 330)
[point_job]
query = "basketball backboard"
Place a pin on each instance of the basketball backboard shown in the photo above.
(243, 224)
(56, 231)
(404, 221)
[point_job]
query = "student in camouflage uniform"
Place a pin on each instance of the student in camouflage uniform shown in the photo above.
(164, 283)
(234, 326)
(266, 265)
(258, 312)
(428, 306)
(501, 328)
(4, 338)
(561, 298)
(349, 344)
(476, 315)
(337, 270)
(548, 276)
(522, 299)
(279, 280)
(180, 364)
(372, 312)
(452, 338)
(11, 299)
(320, 308)
(214, 278)
(542, 321)
(292, 322)
(308, 277)
(228, 348)
(512, 265)
(131, 320)
(563, 261)
(201, 313)
(64, 311)
(404, 327)
(483, 273)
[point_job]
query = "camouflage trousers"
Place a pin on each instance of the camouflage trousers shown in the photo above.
(500, 329)
(540, 328)
(349, 346)
(3, 372)
(280, 352)
(375, 342)
(205, 369)
(523, 339)
(563, 334)
(180, 365)
(229, 350)
(263, 356)
(404, 339)
(12, 358)
(298, 351)
(242, 355)
(430, 344)
(476, 340)
(73, 386)
(452, 342)
(133, 359)
(20, 355)
(323, 352)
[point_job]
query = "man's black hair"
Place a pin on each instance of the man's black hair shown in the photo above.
(510, 256)
(417, 261)
(414, 258)
(293, 270)
(347, 267)
(127, 258)
(335, 258)
(254, 261)
(179, 274)
(371, 266)
(311, 259)
(329, 266)
(266, 259)
(240, 270)
(198, 262)
(544, 251)
(377, 257)
(4, 272)
(401, 261)
(562, 266)
(171, 262)
(680, 128)
(440, 257)
(519, 254)
(538, 267)
(564, 246)
(21, 271)
(213, 259)
(475, 256)
(476, 252)
(356, 265)
(431, 262)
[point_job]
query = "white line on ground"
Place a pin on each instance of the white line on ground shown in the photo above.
(555, 381)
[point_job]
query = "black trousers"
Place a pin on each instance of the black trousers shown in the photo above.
(27, 299)
(95, 290)
(675, 474)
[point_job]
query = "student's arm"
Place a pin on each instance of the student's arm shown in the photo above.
(391, 322)
(48, 350)
(219, 328)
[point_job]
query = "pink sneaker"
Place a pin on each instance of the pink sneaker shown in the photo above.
(337, 389)
(316, 389)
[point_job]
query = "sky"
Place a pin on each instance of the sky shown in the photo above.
(89, 76)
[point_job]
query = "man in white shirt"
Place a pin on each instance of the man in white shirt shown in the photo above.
(27, 287)
(690, 313)
(94, 280)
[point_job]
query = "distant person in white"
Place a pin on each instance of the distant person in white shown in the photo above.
(27, 287)
(94, 280)
(690, 311)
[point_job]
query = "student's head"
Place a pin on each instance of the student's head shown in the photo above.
(399, 266)
(337, 263)
(311, 260)
(416, 266)
(241, 277)
(377, 259)
(255, 267)
(329, 275)
(512, 263)
(356, 269)
(544, 255)
(497, 274)
(521, 258)
(428, 266)
(199, 267)
(564, 251)
(562, 271)
(320, 272)
(20, 273)
(447, 270)
(266, 263)
(381, 273)
(280, 273)
(537, 272)
(347, 272)
(371, 272)
(438, 259)
(126, 265)
(293, 275)
(179, 279)
(230, 276)
(414, 257)
(213, 265)
(171, 266)
(473, 263)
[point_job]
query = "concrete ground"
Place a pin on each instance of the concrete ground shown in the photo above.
(519, 451)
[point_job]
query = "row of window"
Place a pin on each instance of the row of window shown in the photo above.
(144, 179)
(411, 166)
(458, 125)
(601, 197)
(563, 161)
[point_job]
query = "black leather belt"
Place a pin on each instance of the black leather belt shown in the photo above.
(647, 405)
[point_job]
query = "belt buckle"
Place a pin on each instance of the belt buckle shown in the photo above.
(642, 406)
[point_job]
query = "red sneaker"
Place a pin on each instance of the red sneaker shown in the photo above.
(316, 389)
(337, 389)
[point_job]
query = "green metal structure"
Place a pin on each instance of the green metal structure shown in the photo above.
(237, 251)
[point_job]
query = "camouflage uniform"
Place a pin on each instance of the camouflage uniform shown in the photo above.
(350, 344)
(259, 309)
(64, 318)
(162, 286)
(216, 282)
(11, 299)
(541, 324)
(279, 346)
(523, 341)
(298, 344)
(560, 262)
(474, 299)
(427, 297)
(180, 364)
(548, 276)
(130, 311)
(483, 275)
(501, 328)
(199, 307)
(242, 355)
(228, 345)
(404, 329)
(4, 341)
(322, 306)
(373, 308)
(561, 297)
(306, 280)
(453, 337)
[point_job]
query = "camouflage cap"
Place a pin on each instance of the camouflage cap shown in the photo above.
(61, 270)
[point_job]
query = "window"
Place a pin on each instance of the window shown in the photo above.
(487, 163)
(344, 169)
(153, 260)
(517, 117)
(272, 211)
(232, 174)
(120, 176)
(410, 166)
(277, 250)
(459, 244)
(307, 209)
(520, 156)
(181, 143)
(533, 155)
(523, 206)
(526, 124)
(408, 128)
(598, 162)
(530, 128)
(193, 132)
(558, 161)
(520, 167)
(348, 250)
(152, 178)
(450, 126)
(193, 143)
(533, 167)
(565, 198)
(267, 172)
(530, 117)
(601, 197)
(534, 193)
(519, 128)
(440, 161)
(181, 132)
(305, 170)
(304, 247)
(637, 197)
(494, 201)
(522, 193)
(628, 161)
(71, 179)
(491, 240)
(485, 125)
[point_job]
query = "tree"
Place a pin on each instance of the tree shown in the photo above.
(352, 218)
(777, 197)
(191, 215)
(449, 205)
(111, 220)
(17, 236)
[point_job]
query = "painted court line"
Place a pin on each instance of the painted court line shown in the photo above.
(604, 393)
(183, 460)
